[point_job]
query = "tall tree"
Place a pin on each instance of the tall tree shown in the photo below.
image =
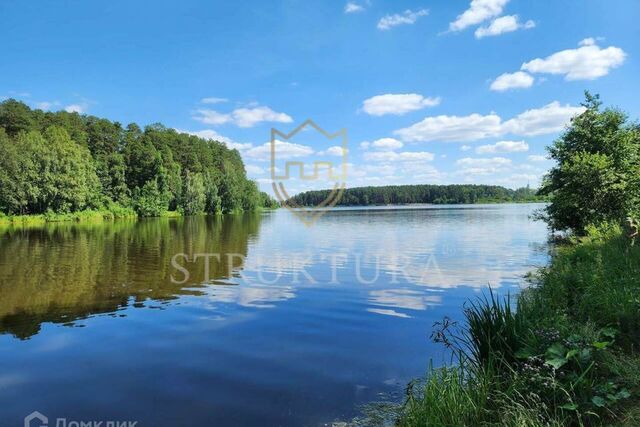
(597, 171)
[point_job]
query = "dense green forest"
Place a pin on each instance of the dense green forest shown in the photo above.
(407, 194)
(60, 162)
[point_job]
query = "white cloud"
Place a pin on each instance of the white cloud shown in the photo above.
(211, 117)
(397, 104)
(537, 158)
(503, 24)
(405, 156)
(548, 119)
(382, 144)
(587, 62)
(478, 11)
(465, 148)
(551, 118)
(483, 166)
(405, 18)
(249, 117)
(254, 170)
(516, 80)
(503, 147)
(589, 41)
(452, 128)
(352, 7)
(213, 135)
(213, 100)
(77, 108)
(284, 150)
(242, 117)
(335, 150)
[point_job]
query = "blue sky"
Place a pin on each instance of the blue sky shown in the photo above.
(430, 91)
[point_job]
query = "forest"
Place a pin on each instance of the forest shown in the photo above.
(408, 194)
(61, 162)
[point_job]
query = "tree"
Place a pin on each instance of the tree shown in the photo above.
(213, 203)
(193, 197)
(597, 170)
(15, 117)
(68, 178)
(150, 200)
(64, 162)
(47, 173)
(111, 170)
(17, 177)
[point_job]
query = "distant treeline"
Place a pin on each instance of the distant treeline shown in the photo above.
(407, 194)
(64, 162)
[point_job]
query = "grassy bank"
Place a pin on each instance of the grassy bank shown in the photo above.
(113, 212)
(567, 356)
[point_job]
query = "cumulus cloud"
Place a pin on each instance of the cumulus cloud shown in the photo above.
(478, 12)
(284, 150)
(516, 80)
(241, 117)
(588, 62)
(353, 7)
(503, 24)
(465, 148)
(215, 136)
(452, 128)
(548, 119)
(503, 147)
(382, 144)
(551, 118)
(405, 156)
(407, 17)
(335, 150)
(397, 104)
(483, 166)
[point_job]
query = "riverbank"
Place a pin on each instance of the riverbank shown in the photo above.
(89, 215)
(567, 356)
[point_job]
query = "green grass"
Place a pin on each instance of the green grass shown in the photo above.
(112, 212)
(566, 356)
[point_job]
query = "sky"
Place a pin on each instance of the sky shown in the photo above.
(430, 92)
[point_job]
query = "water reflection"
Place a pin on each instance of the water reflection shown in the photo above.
(64, 272)
(297, 326)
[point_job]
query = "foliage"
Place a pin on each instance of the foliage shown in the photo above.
(566, 357)
(65, 162)
(113, 211)
(407, 194)
(597, 172)
(193, 197)
(151, 199)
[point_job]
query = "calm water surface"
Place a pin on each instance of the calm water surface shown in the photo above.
(295, 326)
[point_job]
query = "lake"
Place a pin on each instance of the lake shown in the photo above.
(248, 320)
